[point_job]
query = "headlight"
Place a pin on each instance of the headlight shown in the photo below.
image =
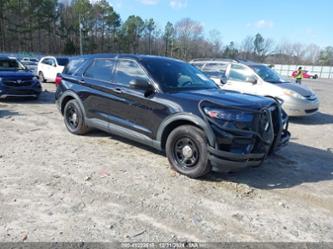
(228, 115)
(293, 94)
(35, 78)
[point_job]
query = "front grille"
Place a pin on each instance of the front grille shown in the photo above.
(17, 83)
(311, 110)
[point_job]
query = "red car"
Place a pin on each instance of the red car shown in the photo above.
(306, 75)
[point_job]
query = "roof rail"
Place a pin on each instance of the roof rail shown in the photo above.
(215, 59)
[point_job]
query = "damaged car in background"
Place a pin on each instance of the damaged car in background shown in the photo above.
(259, 79)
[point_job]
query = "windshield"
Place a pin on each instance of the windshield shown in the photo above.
(10, 65)
(175, 75)
(268, 74)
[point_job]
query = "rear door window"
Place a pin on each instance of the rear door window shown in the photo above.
(101, 69)
(73, 66)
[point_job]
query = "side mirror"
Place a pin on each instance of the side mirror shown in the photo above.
(223, 79)
(252, 79)
(139, 84)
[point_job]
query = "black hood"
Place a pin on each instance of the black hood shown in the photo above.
(302, 90)
(228, 98)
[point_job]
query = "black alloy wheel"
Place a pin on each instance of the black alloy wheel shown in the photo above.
(187, 151)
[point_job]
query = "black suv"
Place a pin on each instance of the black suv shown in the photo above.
(172, 106)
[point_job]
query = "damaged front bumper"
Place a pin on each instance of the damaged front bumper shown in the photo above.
(235, 148)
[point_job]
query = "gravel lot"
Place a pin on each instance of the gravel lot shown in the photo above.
(55, 186)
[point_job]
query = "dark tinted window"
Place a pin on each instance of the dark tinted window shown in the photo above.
(173, 75)
(62, 61)
(73, 66)
(46, 61)
(127, 71)
(101, 69)
(10, 64)
(49, 61)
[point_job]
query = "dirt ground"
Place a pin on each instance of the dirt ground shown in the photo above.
(55, 186)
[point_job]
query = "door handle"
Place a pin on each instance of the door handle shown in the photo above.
(82, 81)
(117, 90)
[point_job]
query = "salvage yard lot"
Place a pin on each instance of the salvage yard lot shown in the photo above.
(55, 186)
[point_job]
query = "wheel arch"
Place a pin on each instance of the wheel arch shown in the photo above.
(178, 120)
(67, 96)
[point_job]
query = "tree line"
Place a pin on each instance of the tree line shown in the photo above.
(53, 27)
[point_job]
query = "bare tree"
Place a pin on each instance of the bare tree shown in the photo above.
(187, 32)
(247, 48)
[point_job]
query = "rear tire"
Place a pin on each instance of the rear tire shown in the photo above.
(74, 118)
(186, 149)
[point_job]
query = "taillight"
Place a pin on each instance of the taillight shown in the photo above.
(58, 80)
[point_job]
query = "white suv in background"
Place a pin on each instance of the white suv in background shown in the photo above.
(49, 67)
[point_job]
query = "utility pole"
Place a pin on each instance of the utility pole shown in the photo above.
(80, 27)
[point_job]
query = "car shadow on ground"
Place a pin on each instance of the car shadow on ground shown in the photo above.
(316, 119)
(294, 165)
(7, 114)
(98, 133)
(46, 97)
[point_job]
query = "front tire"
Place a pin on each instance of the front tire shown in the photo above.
(186, 149)
(74, 118)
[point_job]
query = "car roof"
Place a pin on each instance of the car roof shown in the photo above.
(137, 57)
(2, 57)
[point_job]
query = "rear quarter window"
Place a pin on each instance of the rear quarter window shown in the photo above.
(73, 66)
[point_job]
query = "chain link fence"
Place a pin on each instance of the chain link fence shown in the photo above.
(323, 72)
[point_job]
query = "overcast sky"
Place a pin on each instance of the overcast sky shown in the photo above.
(283, 20)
